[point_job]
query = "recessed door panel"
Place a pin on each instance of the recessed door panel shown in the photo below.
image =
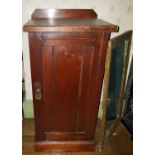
(68, 66)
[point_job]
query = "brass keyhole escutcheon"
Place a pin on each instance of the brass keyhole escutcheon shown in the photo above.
(38, 95)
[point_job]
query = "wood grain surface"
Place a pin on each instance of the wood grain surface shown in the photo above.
(64, 13)
(119, 144)
(67, 56)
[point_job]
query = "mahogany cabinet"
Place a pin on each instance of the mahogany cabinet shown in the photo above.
(67, 55)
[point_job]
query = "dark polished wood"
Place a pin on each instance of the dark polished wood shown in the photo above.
(67, 68)
(69, 25)
(64, 13)
(65, 146)
(119, 144)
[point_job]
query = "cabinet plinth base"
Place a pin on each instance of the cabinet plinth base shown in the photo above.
(65, 146)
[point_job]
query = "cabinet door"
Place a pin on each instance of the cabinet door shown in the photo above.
(66, 67)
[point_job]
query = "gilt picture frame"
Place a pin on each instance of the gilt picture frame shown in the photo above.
(117, 62)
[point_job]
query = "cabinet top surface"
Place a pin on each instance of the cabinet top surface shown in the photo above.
(67, 20)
